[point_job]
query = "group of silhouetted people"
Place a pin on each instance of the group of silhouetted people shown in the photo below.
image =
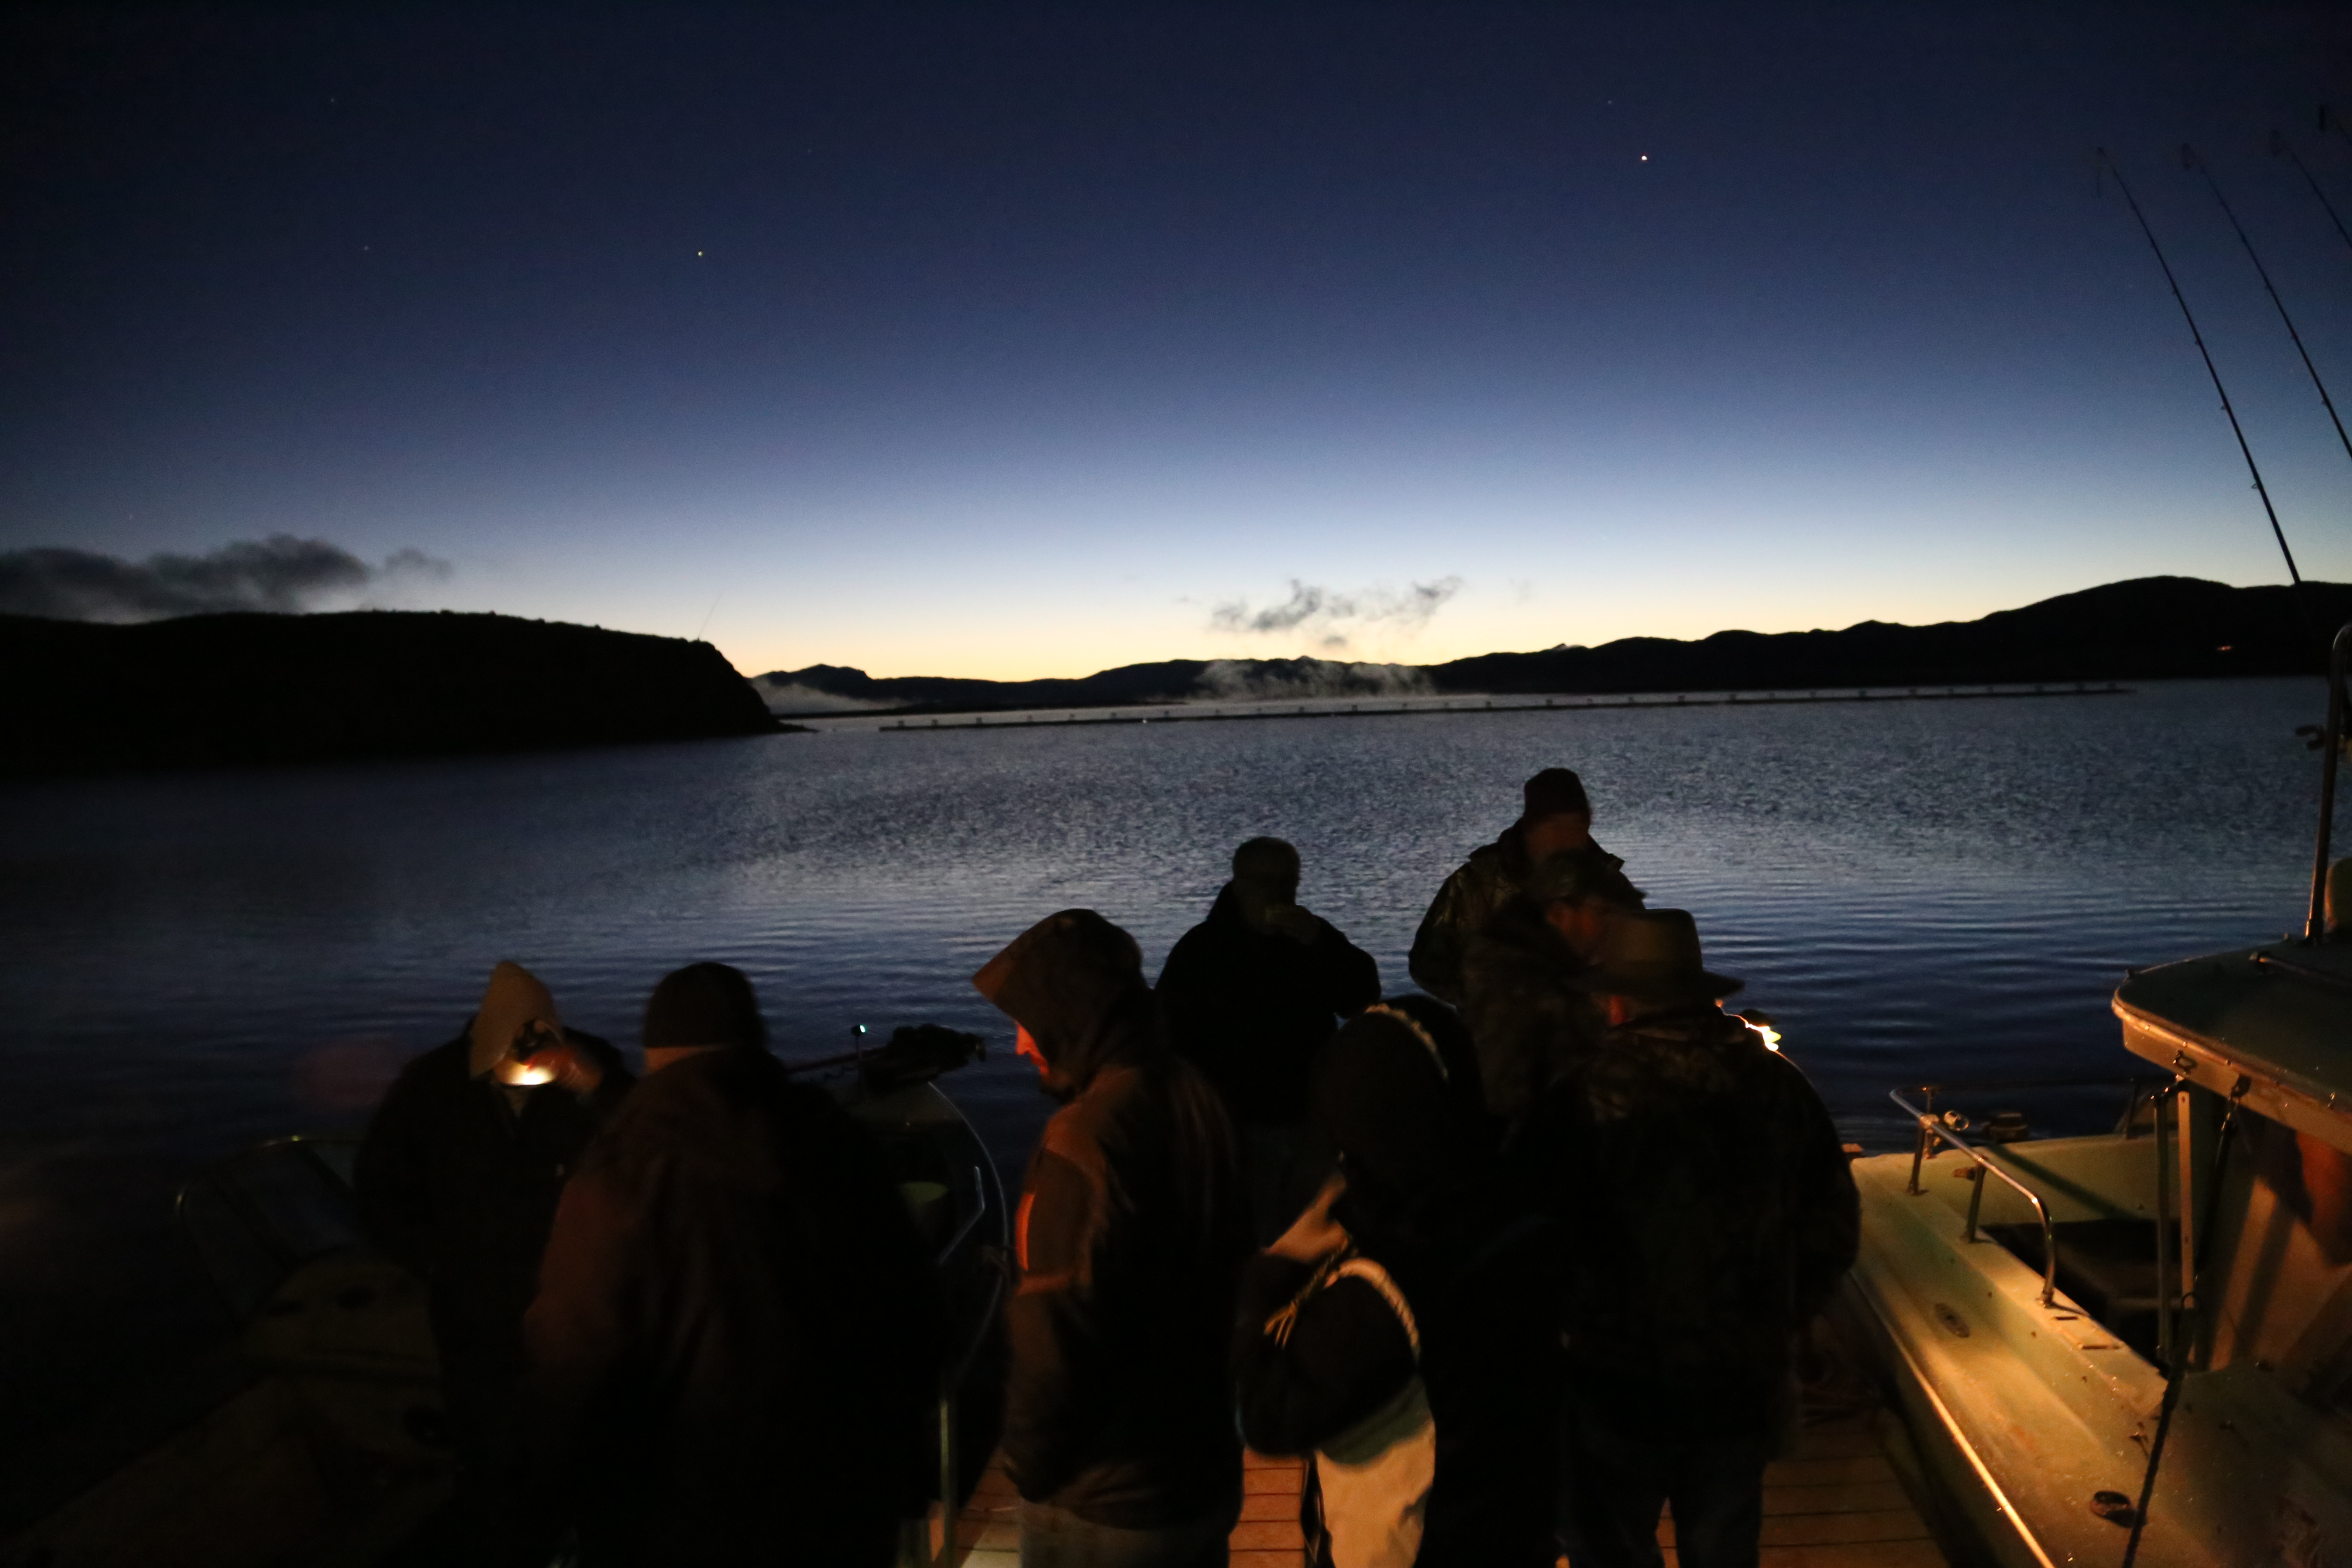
(1515, 1261)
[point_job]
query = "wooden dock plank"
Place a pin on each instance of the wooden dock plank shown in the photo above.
(1852, 1497)
(1829, 1529)
(1835, 1504)
(1876, 1554)
(1270, 1535)
(988, 1531)
(1827, 1472)
(1843, 1528)
(1850, 1439)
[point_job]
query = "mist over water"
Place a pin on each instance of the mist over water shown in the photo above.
(1915, 890)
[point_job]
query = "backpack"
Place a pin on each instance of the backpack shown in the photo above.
(1367, 1490)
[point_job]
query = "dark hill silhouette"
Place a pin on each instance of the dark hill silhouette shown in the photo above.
(204, 690)
(2151, 629)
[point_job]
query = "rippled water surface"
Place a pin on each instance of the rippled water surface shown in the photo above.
(187, 964)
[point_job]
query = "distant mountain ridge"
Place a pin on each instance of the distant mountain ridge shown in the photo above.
(2148, 629)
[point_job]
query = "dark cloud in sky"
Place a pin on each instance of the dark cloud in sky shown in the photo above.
(1319, 610)
(281, 573)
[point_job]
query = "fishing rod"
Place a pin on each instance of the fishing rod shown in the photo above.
(2279, 143)
(2235, 428)
(2190, 160)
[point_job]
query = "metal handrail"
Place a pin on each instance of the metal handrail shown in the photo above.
(964, 1231)
(1930, 1126)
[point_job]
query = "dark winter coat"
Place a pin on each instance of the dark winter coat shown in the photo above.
(1250, 1008)
(1531, 1024)
(459, 1186)
(737, 1339)
(1706, 1212)
(1130, 1241)
(1479, 892)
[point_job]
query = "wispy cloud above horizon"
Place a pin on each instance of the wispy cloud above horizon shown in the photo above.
(1324, 612)
(281, 573)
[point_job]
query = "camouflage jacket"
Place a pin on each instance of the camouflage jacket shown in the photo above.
(1473, 897)
(1531, 1026)
(1704, 1206)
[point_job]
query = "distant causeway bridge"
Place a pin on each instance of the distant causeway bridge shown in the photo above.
(1396, 707)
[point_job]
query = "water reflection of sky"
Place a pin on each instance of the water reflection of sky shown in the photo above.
(1915, 890)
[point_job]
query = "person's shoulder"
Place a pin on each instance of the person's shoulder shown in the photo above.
(724, 1085)
(1199, 943)
(1775, 1075)
(1076, 1133)
(442, 1070)
(600, 1051)
(1489, 860)
(1131, 1102)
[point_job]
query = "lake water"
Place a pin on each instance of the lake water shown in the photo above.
(1916, 891)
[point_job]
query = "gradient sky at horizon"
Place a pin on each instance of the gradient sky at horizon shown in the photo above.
(1012, 341)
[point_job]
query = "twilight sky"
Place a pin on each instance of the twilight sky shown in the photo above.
(1009, 341)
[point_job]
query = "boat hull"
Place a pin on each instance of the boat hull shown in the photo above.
(2021, 1413)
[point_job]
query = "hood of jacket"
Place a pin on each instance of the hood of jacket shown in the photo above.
(1397, 1093)
(515, 1001)
(1075, 981)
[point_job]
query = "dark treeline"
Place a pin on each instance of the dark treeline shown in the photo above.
(208, 690)
(2152, 629)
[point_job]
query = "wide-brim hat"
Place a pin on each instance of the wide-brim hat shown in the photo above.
(1653, 955)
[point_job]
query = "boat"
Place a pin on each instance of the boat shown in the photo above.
(318, 1437)
(2138, 1341)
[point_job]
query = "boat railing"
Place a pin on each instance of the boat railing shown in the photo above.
(256, 1216)
(1932, 1129)
(921, 1543)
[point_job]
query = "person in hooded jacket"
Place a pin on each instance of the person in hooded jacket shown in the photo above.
(737, 1339)
(1251, 994)
(1403, 1332)
(457, 1180)
(1706, 1212)
(1132, 1232)
(1555, 820)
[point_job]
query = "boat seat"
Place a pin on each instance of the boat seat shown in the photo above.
(2106, 1265)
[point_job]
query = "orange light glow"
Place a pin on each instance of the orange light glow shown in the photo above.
(1767, 1032)
(1024, 1045)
